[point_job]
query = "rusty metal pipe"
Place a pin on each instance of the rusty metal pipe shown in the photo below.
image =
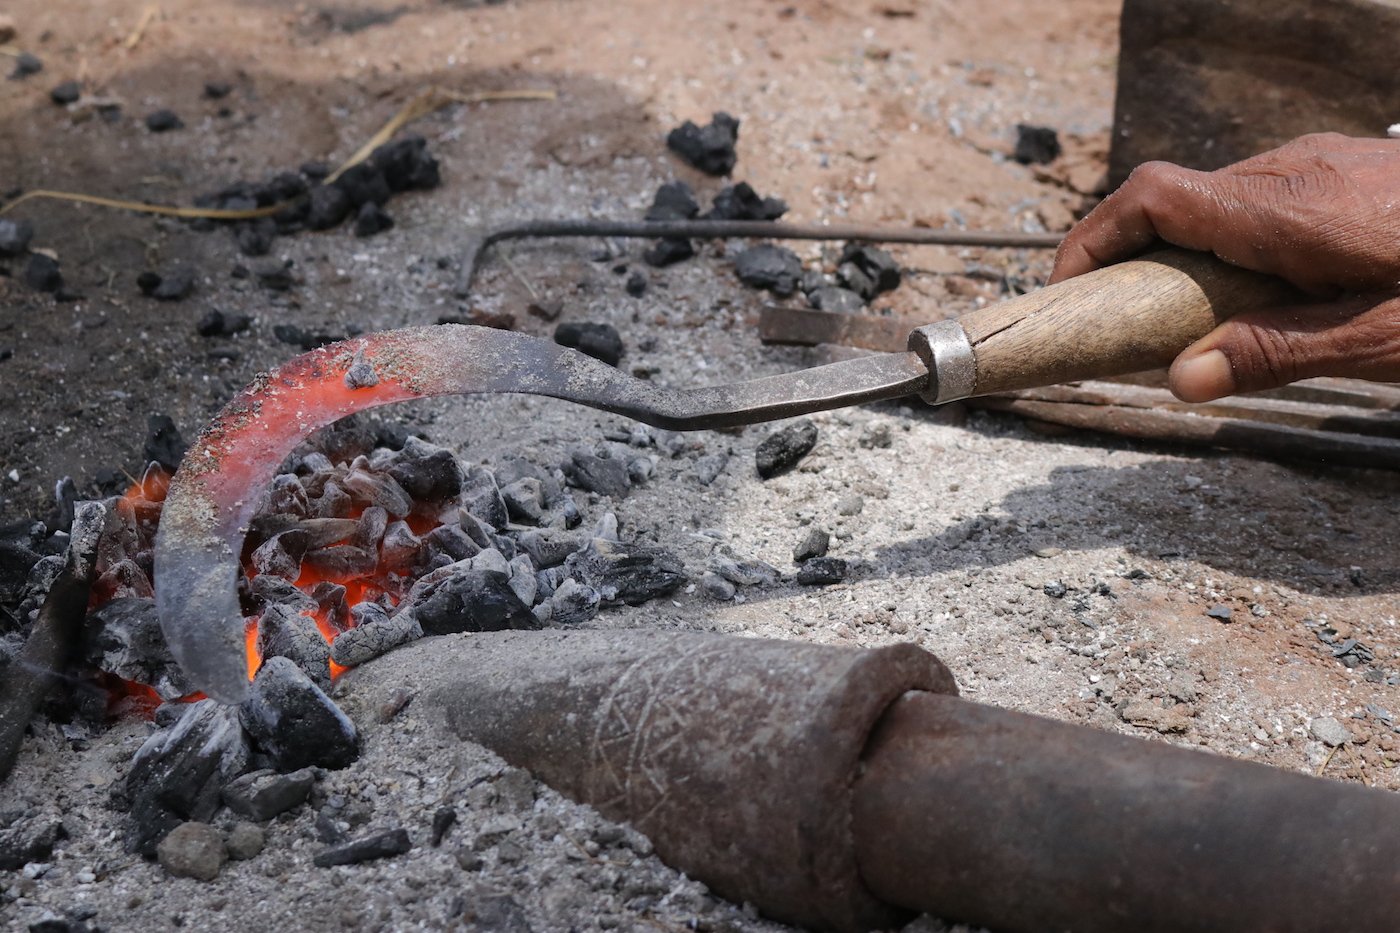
(1018, 822)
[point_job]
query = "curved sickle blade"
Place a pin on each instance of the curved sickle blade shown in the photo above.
(225, 474)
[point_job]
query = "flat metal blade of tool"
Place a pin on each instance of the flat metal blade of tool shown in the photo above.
(226, 474)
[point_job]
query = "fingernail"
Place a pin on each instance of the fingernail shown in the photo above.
(1202, 378)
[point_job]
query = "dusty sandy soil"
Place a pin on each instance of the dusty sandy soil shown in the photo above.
(895, 112)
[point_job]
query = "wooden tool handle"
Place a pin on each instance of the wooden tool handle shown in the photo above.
(1120, 319)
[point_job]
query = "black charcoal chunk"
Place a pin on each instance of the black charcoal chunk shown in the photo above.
(407, 165)
(741, 202)
(822, 571)
(164, 445)
(280, 555)
(217, 90)
(600, 341)
(636, 285)
(287, 633)
(254, 237)
(813, 544)
(294, 723)
(769, 267)
(709, 148)
(468, 600)
(524, 500)
(163, 121)
(261, 795)
(1036, 145)
(179, 773)
(781, 450)
(573, 603)
(42, 274)
(26, 64)
(548, 547)
(373, 635)
(216, 323)
(378, 489)
(173, 286)
(604, 475)
(124, 638)
(481, 498)
(674, 201)
(327, 207)
(364, 183)
(367, 848)
(25, 838)
(276, 275)
(838, 300)
(15, 236)
(878, 266)
(626, 573)
(427, 472)
(668, 251)
(66, 93)
(372, 219)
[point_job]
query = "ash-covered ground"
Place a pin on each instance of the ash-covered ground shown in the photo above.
(1233, 604)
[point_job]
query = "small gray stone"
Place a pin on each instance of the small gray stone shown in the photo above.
(1221, 612)
(715, 587)
(245, 841)
(850, 505)
(709, 467)
(1329, 731)
(193, 850)
(261, 795)
(813, 544)
(748, 572)
(1055, 589)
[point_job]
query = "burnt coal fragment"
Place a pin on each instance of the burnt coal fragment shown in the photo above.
(66, 93)
(179, 773)
(173, 286)
(280, 555)
(42, 274)
(854, 279)
(427, 472)
(781, 450)
(407, 165)
(822, 571)
(769, 267)
(813, 544)
(286, 633)
(374, 633)
(839, 300)
(600, 341)
(216, 323)
(524, 500)
(254, 237)
(481, 498)
(636, 285)
(741, 202)
(709, 148)
(367, 848)
(467, 600)
(595, 472)
(626, 573)
(124, 638)
(164, 445)
(163, 121)
(261, 795)
(364, 183)
(878, 266)
(1036, 145)
(268, 590)
(25, 839)
(26, 64)
(294, 723)
(674, 201)
(372, 219)
(276, 275)
(379, 489)
(668, 251)
(217, 90)
(572, 603)
(548, 547)
(327, 207)
(14, 236)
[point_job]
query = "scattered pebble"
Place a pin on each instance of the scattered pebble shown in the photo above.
(66, 93)
(15, 236)
(172, 286)
(244, 841)
(193, 850)
(26, 65)
(636, 285)
(813, 544)
(42, 274)
(163, 121)
(1329, 731)
(1221, 612)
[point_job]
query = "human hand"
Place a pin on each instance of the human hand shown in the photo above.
(1322, 212)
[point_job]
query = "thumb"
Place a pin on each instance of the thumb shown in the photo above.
(1357, 337)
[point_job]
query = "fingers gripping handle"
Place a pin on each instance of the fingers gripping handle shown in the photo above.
(1124, 318)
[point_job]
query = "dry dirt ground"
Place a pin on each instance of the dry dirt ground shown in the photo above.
(898, 112)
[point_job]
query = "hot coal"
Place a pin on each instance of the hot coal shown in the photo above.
(294, 723)
(709, 148)
(626, 573)
(1036, 145)
(216, 323)
(286, 633)
(668, 251)
(15, 236)
(467, 600)
(66, 93)
(163, 121)
(374, 633)
(600, 341)
(124, 638)
(372, 219)
(42, 274)
(26, 64)
(877, 267)
(781, 450)
(813, 544)
(379, 845)
(164, 445)
(25, 838)
(172, 286)
(741, 202)
(636, 285)
(822, 571)
(769, 267)
(674, 201)
(838, 300)
(179, 773)
(261, 795)
(598, 471)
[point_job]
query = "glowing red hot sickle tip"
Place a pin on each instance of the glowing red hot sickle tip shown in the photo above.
(226, 473)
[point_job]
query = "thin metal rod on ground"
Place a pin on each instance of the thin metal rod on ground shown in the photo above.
(480, 241)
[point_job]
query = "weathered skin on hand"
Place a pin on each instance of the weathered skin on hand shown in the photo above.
(1322, 212)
